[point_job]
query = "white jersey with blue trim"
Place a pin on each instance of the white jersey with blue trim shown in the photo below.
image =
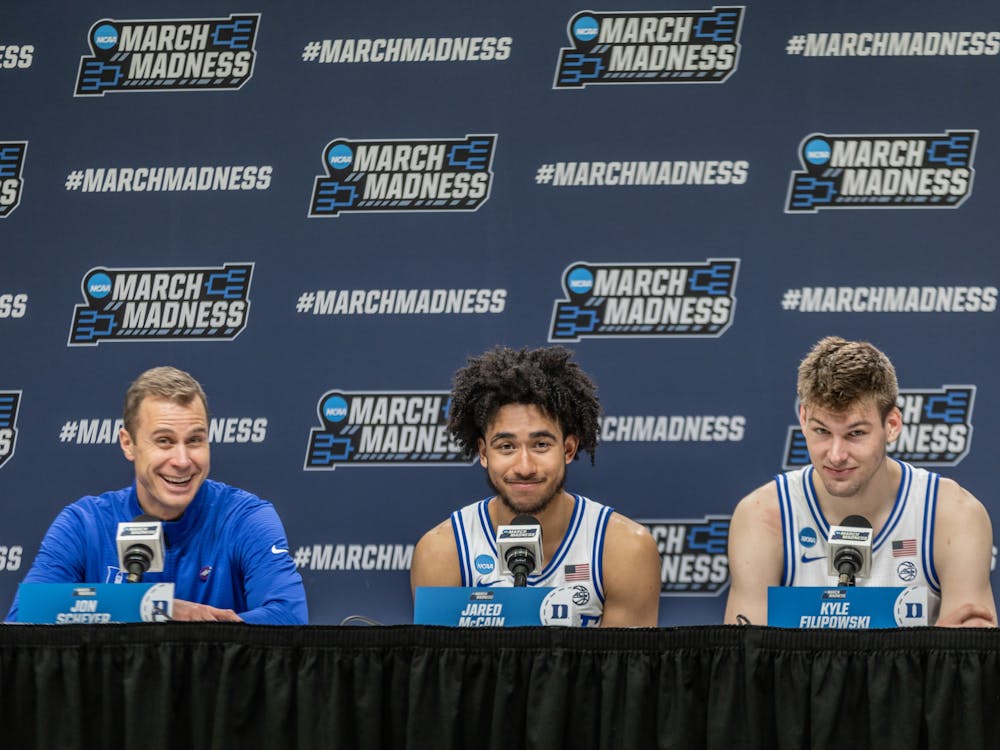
(902, 551)
(575, 569)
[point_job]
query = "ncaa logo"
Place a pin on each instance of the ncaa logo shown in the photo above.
(485, 564)
(340, 156)
(585, 28)
(807, 537)
(580, 280)
(817, 151)
(105, 36)
(99, 286)
(335, 409)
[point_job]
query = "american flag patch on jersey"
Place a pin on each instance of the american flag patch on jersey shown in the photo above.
(579, 572)
(904, 548)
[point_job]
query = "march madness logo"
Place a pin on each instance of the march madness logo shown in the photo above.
(9, 401)
(383, 428)
(11, 167)
(883, 171)
(414, 175)
(648, 300)
(694, 558)
(162, 304)
(686, 46)
(937, 428)
(198, 54)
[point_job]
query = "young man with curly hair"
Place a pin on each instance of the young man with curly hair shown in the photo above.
(527, 414)
(928, 531)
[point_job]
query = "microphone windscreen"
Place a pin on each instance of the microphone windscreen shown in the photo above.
(858, 522)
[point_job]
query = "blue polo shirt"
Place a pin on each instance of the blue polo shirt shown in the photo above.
(228, 550)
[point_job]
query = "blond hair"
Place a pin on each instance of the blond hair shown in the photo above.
(838, 373)
(160, 382)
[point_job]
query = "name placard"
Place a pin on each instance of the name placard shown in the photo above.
(846, 607)
(94, 603)
(467, 607)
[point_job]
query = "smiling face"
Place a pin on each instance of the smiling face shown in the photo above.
(525, 454)
(171, 454)
(848, 448)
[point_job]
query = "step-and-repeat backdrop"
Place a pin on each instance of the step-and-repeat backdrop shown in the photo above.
(320, 209)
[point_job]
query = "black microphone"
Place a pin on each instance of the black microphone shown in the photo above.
(850, 550)
(520, 548)
(140, 546)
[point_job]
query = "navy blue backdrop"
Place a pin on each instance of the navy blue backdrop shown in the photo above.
(309, 204)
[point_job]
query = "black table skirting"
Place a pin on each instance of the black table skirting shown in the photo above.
(186, 685)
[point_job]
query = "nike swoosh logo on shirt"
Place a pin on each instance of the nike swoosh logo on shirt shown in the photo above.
(812, 559)
(275, 550)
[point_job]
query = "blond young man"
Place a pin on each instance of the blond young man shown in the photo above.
(928, 530)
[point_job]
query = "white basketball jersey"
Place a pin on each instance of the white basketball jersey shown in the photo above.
(902, 551)
(575, 570)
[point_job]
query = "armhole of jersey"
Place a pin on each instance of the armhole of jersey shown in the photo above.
(812, 504)
(787, 529)
(462, 546)
(597, 571)
(576, 522)
(927, 547)
(898, 507)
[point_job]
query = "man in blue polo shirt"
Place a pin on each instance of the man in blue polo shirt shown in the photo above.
(226, 550)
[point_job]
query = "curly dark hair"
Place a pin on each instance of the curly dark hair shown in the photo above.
(543, 377)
